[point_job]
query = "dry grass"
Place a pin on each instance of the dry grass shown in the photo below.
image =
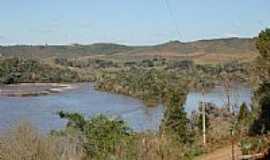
(197, 57)
(223, 58)
(26, 143)
(159, 148)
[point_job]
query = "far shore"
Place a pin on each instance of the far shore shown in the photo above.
(34, 89)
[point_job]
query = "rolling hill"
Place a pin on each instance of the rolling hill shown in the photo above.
(202, 50)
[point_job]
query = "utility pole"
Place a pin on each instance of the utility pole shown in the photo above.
(203, 121)
(203, 108)
(203, 113)
(232, 140)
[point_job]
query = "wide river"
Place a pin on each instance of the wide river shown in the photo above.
(41, 110)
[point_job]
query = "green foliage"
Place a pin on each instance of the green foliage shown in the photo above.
(16, 70)
(75, 120)
(105, 138)
(262, 93)
(262, 124)
(199, 120)
(85, 63)
(263, 43)
(148, 85)
(253, 145)
(101, 135)
(244, 114)
(175, 122)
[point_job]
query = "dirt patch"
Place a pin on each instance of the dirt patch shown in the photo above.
(33, 89)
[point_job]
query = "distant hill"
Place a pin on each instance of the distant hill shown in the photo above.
(62, 50)
(203, 48)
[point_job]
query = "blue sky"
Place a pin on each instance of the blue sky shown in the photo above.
(134, 22)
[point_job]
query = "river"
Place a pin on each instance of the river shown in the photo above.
(41, 110)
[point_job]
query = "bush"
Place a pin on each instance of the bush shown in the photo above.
(102, 136)
(253, 145)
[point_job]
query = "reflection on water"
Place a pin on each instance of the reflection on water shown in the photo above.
(41, 111)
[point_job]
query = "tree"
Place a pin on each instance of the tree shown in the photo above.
(203, 87)
(104, 135)
(175, 121)
(243, 112)
(262, 85)
(100, 135)
(75, 120)
(262, 124)
(201, 117)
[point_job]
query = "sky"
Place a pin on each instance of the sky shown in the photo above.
(131, 22)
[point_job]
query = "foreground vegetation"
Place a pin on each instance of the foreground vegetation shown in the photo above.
(103, 137)
(257, 138)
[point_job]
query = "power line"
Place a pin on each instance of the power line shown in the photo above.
(173, 19)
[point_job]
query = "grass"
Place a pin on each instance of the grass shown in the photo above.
(24, 142)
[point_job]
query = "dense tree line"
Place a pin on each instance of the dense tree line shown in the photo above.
(147, 82)
(148, 85)
(16, 70)
(85, 63)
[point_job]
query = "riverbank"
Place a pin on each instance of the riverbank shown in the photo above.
(34, 89)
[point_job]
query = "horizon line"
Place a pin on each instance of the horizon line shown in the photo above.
(122, 43)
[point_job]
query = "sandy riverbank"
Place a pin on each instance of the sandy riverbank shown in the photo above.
(34, 89)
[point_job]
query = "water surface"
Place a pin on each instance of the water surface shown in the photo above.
(41, 111)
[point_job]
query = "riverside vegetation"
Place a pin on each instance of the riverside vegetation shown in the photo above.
(83, 62)
(154, 81)
(147, 82)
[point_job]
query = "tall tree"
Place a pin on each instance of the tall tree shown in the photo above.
(262, 81)
(175, 121)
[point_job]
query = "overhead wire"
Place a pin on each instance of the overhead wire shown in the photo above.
(173, 19)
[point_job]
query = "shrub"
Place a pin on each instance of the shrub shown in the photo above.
(102, 136)
(253, 145)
